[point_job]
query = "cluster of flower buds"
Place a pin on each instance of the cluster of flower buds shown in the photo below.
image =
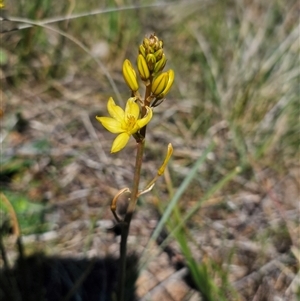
(151, 61)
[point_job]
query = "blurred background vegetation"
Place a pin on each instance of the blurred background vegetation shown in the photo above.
(236, 88)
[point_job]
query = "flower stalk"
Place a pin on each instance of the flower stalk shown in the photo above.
(133, 121)
(127, 220)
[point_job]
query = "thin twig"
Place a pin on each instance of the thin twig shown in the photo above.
(69, 17)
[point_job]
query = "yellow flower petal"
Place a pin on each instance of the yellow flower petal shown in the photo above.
(111, 124)
(132, 108)
(120, 142)
(115, 111)
(143, 121)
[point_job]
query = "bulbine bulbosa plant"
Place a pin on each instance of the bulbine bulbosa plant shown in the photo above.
(133, 121)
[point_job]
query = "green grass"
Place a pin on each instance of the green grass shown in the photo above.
(30, 215)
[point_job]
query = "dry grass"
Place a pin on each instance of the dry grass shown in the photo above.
(237, 70)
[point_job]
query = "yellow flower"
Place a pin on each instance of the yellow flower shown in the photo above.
(125, 123)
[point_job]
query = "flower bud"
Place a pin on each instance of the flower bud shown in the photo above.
(158, 54)
(142, 50)
(130, 76)
(151, 49)
(151, 61)
(168, 156)
(159, 66)
(154, 42)
(170, 80)
(159, 83)
(146, 43)
(143, 68)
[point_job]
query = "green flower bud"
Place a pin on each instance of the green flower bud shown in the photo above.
(158, 54)
(151, 61)
(150, 50)
(159, 66)
(146, 43)
(142, 50)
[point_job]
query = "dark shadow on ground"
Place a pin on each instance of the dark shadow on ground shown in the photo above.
(42, 278)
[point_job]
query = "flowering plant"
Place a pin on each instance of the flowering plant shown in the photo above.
(132, 121)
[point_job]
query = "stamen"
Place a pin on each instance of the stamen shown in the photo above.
(130, 122)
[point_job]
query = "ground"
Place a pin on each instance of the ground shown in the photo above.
(235, 92)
